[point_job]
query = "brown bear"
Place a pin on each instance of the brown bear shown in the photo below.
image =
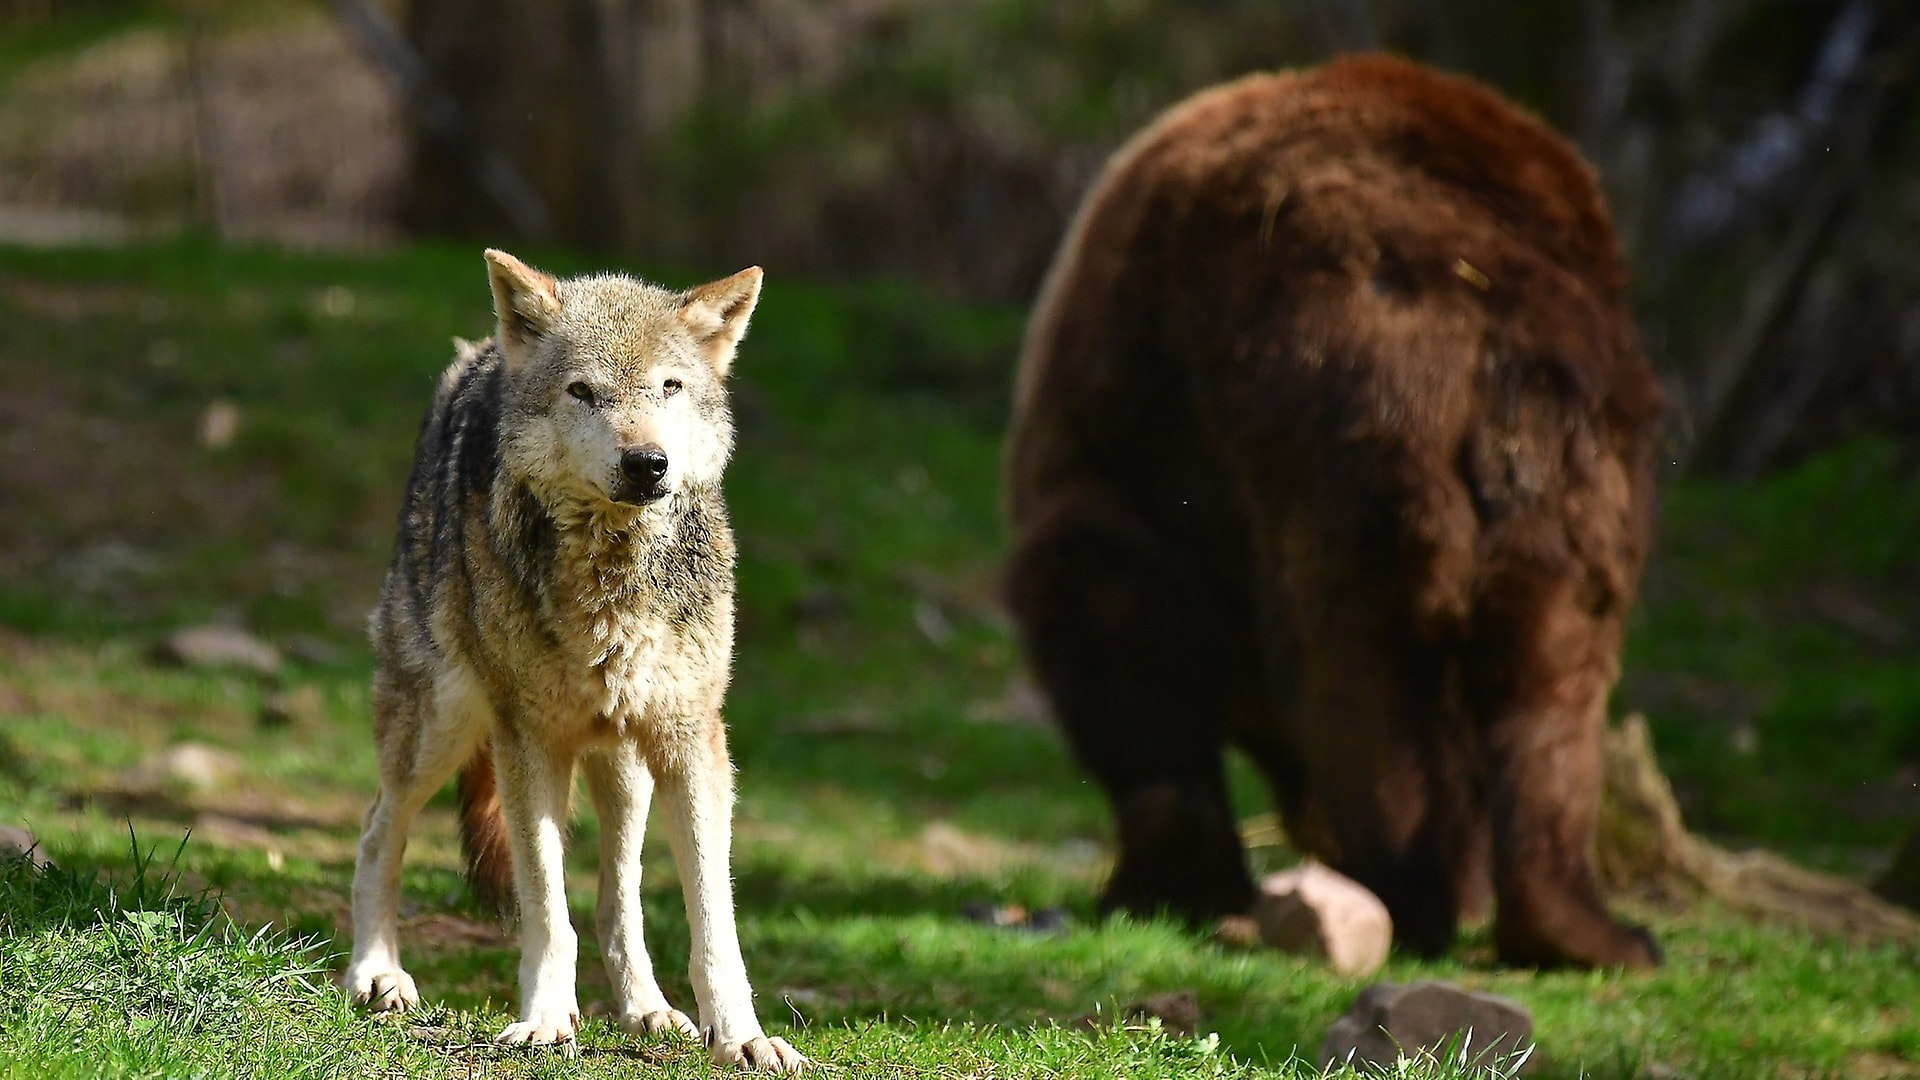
(1332, 442)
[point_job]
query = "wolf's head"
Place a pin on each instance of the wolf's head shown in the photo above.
(616, 388)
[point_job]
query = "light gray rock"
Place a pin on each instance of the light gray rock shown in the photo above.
(219, 424)
(189, 765)
(1311, 910)
(217, 647)
(1387, 1020)
(18, 843)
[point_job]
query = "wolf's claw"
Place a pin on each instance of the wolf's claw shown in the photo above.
(546, 1027)
(661, 1022)
(383, 991)
(760, 1054)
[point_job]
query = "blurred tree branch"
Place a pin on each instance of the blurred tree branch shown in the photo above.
(1771, 165)
(442, 120)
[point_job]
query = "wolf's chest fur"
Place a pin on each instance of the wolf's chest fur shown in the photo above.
(643, 618)
(614, 624)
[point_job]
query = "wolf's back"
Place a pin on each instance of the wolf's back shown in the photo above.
(456, 460)
(456, 463)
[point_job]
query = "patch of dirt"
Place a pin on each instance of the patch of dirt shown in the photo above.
(110, 501)
(142, 719)
(442, 931)
(94, 503)
(1878, 1065)
(69, 302)
(947, 850)
(260, 820)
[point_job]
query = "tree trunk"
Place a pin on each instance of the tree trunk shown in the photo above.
(531, 77)
(1643, 847)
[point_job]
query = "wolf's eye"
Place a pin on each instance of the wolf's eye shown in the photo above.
(580, 392)
(670, 387)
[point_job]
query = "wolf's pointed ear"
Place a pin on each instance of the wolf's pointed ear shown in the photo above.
(524, 299)
(717, 313)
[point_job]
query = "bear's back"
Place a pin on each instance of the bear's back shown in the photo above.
(1293, 261)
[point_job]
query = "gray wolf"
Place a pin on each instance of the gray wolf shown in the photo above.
(561, 596)
(1333, 442)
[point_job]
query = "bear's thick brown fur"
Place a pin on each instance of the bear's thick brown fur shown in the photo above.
(1333, 443)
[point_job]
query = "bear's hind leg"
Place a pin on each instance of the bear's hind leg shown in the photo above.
(1539, 670)
(1364, 787)
(1138, 662)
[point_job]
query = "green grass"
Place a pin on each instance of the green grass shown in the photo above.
(1777, 655)
(99, 978)
(888, 775)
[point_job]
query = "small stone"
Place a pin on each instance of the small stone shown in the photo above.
(217, 647)
(1236, 932)
(299, 706)
(190, 765)
(996, 915)
(1386, 1021)
(18, 843)
(1050, 921)
(1311, 910)
(1016, 917)
(932, 622)
(1177, 1011)
(219, 424)
(979, 911)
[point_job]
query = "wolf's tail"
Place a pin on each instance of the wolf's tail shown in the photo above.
(483, 834)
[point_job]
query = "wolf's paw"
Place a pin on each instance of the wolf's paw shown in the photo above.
(761, 1053)
(545, 1027)
(660, 1022)
(387, 990)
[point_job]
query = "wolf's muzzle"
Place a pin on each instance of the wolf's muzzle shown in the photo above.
(643, 472)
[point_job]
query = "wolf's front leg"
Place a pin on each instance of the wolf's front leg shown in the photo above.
(696, 794)
(534, 785)
(374, 977)
(621, 787)
(410, 772)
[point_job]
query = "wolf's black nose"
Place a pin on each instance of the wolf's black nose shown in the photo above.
(643, 464)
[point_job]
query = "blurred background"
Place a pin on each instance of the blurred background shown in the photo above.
(236, 236)
(1762, 158)
(1760, 154)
